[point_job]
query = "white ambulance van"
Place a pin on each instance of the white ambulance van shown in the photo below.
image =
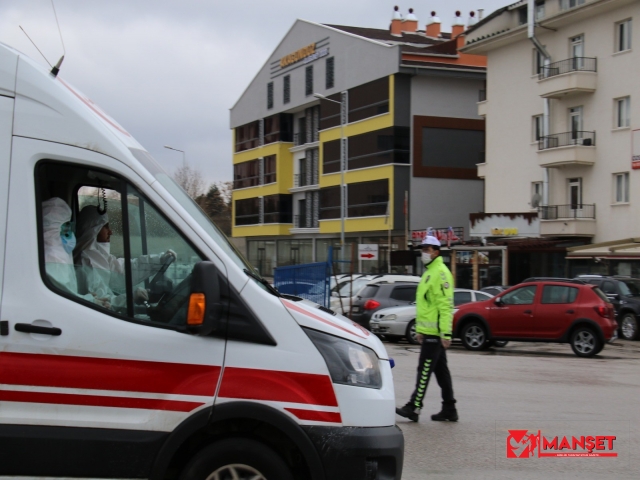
(182, 362)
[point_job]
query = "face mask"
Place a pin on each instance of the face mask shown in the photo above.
(426, 258)
(68, 242)
(104, 247)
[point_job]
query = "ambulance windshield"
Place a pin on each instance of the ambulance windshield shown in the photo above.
(191, 207)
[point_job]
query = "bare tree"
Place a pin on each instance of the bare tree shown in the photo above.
(190, 179)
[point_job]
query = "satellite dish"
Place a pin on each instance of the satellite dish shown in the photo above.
(535, 200)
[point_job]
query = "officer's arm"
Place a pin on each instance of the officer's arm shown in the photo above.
(444, 304)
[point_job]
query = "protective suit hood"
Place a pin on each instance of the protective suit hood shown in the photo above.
(58, 263)
(89, 224)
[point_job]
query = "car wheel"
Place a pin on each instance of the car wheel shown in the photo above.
(411, 333)
(239, 459)
(629, 326)
(474, 336)
(584, 342)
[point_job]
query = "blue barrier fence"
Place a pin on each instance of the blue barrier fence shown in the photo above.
(310, 281)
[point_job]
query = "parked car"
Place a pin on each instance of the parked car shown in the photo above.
(384, 294)
(494, 290)
(556, 310)
(624, 294)
(342, 303)
(339, 301)
(396, 323)
(314, 291)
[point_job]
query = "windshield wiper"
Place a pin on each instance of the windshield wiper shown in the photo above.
(262, 281)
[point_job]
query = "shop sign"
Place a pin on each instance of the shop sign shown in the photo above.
(504, 232)
(368, 251)
(298, 55)
(445, 235)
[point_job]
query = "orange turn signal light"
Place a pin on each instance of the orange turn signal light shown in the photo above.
(195, 314)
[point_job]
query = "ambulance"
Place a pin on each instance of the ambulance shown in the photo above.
(210, 373)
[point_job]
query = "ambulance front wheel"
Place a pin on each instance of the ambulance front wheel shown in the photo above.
(237, 458)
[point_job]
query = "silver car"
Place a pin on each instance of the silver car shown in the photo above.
(396, 323)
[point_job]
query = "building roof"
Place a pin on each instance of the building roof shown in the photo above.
(385, 35)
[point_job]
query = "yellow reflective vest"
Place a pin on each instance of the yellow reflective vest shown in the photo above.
(434, 300)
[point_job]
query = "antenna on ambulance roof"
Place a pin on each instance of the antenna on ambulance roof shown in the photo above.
(54, 68)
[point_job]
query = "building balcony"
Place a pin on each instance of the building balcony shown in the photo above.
(568, 220)
(299, 138)
(568, 148)
(568, 77)
(301, 183)
(304, 224)
(482, 170)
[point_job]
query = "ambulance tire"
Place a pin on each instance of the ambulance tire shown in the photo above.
(244, 457)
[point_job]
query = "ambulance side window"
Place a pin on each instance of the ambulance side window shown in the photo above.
(128, 260)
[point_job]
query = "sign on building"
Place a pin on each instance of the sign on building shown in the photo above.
(367, 251)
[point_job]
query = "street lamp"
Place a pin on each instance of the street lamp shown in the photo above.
(184, 157)
(342, 159)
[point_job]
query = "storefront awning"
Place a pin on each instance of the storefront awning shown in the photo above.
(628, 247)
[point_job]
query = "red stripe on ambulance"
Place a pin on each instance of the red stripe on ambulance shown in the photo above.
(315, 416)
(277, 386)
(107, 374)
(98, 401)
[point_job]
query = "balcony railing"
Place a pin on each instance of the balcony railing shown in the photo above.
(300, 221)
(587, 139)
(575, 64)
(299, 138)
(300, 180)
(482, 95)
(574, 211)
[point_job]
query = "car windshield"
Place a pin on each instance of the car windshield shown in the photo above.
(348, 290)
(630, 288)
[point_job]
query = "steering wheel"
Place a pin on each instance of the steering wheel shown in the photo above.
(170, 303)
(169, 259)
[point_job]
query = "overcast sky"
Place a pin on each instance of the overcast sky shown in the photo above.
(168, 71)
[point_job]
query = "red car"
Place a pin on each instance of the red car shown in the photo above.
(540, 310)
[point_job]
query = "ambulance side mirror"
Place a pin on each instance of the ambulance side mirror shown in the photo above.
(204, 314)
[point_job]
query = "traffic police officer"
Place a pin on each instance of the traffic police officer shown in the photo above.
(434, 319)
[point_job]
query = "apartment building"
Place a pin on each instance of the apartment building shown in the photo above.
(340, 124)
(561, 109)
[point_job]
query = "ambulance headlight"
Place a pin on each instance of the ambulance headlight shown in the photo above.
(349, 363)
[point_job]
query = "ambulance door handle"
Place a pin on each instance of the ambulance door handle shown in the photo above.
(28, 328)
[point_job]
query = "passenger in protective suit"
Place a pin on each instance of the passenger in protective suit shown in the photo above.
(97, 265)
(59, 241)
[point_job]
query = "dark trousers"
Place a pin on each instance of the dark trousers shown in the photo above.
(433, 359)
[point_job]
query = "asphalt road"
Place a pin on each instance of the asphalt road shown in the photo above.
(523, 386)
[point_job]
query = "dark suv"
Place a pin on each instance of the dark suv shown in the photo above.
(374, 297)
(624, 294)
(540, 310)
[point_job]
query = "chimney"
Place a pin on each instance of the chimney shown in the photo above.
(480, 13)
(410, 24)
(396, 23)
(472, 19)
(458, 25)
(433, 26)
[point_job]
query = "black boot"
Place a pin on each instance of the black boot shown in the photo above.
(445, 415)
(408, 411)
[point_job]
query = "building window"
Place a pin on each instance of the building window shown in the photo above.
(623, 36)
(330, 63)
(269, 169)
(536, 194)
(567, 4)
(278, 128)
(368, 100)
(277, 208)
(248, 211)
(537, 62)
(308, 80)
(286, 89)
(623, 108)
(330, 112)
(621, 187)
(270, 95)
(575, 193)
(246, 174)
(367, 199)
(539, 9)
(329, 203)
(537, 127)
(247, 136)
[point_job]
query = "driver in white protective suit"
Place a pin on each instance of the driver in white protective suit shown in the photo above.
(59, 241)
(99, 271)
